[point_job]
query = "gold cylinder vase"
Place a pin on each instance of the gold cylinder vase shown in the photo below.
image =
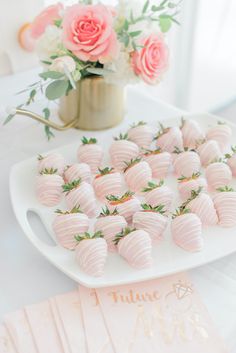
(95, 104)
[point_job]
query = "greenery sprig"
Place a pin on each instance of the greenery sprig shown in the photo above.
(88, 141)
(75, 209)
(163, 14)
(107, 212)
(152, 185)
(158, 208)
(70, 186)
(123, 234)
(87, 235)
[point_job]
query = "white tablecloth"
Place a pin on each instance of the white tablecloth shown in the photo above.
(26, 277)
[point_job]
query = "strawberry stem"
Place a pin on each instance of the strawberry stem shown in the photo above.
(70, 186)
(123, 234)
(152, 185)
(90, 141)
(48, 171)
(87, 235)
(106, 212)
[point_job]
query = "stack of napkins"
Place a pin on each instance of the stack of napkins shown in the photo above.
(164, 315)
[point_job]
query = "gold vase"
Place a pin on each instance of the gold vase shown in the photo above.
(93, 105)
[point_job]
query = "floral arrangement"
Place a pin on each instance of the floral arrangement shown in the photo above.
(124, 44)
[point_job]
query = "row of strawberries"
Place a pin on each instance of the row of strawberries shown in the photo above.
(151, 221)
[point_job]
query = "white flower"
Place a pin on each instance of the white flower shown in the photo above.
(49, 43)
(62, 63)
(121, 70)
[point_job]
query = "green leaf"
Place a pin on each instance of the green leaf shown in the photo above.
(46, 62)
(54, 75)
(135, 33)
(58, 23)
(145, 7)
(157, 8)
(46, 112)
(56, 89)
(165, 23)
(126, 25)
(171, 5)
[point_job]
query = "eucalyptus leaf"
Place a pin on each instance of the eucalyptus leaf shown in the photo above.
(165, 23)
(56, 89)
(98, 71)
(145, 7)
(135, 33)
(54, 75)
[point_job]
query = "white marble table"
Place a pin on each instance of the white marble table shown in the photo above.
(26, 277)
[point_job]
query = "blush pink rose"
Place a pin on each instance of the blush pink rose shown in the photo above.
(152, 60)
(45, 18)
(88, 33)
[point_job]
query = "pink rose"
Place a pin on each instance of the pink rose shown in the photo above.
(45, 18)
(88, 33)
(152, 60)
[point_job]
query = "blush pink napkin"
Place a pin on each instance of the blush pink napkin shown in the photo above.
(161, 316)
(69, 310)
(6, 343)
(20, 332)
(43, 328)
(98, 339)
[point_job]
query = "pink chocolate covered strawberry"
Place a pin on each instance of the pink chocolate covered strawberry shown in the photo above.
(187, 184)
(186, 162)
(135, 247)
(91, 253)
(159, 162)
(208, 151)
(225, 205)
(80, 194)
(107, 182)
(202, 205)
(152, 220)
(158, 194)
(218, 174)
(186, 230)
(110, 223)
(53, 161)
(221, 133)
(126, 204)
(67, 224)
(91, 153)
(49, 187)
(122, 150)
(191, 132)
(141, 134)
(231, 160)
(137, 174)
(169, 138)
(78, 171)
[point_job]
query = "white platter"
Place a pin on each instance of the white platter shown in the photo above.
(168, 258)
